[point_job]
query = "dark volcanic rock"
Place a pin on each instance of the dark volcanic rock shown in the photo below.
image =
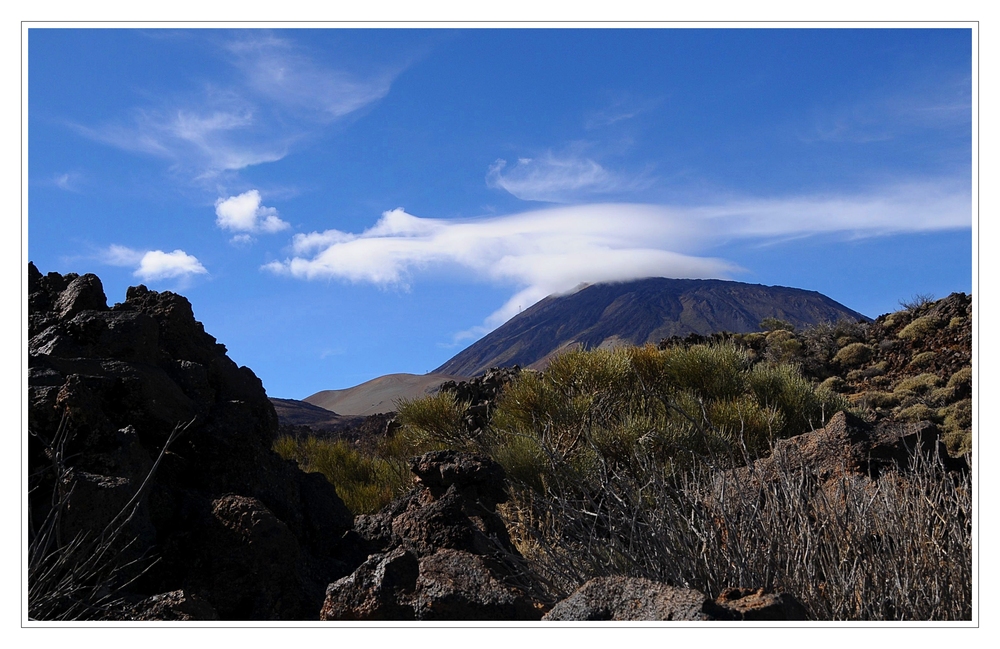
(480, 395)
(175, 606)
(441, 552)
(228, 520)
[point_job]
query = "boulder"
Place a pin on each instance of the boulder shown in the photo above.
(175, 606)
(638, 599)
(441, 552)
(849, 447)
(629, 598)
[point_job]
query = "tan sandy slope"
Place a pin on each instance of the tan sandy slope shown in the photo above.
(379, 394)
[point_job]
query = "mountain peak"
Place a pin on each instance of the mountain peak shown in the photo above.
(638, 312)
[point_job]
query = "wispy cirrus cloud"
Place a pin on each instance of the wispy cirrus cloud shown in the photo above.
(277, 98)
(558, 179)
(275, 70)
(945, 105)
(552, 250)
(154, 265)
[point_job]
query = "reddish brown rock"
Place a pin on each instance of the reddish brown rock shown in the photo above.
(439, 553)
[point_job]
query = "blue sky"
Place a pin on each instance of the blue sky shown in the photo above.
(340, 204)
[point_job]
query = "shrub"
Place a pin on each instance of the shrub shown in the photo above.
(783, 387)
(919, 384)
(961, 381)
(940, 397)
(919, 328)
(774, 324)
(922, 359)
(896, 549)
(365, 483)
(918, 412)
(958, 416)
(917, 301)
(834, 384)
(876, 399)
(435, 420)
(853, 355)
(615, 405)
(873, 370)
(958, 442)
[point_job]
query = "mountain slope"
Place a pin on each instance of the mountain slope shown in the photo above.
(378, 395)
(638, 312)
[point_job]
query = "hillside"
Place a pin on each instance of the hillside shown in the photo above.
(639, 312)
(378, 395)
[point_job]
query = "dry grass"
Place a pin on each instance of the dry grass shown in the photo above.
(898, 549)
(82, 578)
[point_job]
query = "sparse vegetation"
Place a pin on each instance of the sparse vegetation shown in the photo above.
(623, 462)
(853, 354)
(365, 482)
(919, 328)
(896, 550)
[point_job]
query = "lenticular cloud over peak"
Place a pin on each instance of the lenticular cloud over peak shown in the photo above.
(552, 250)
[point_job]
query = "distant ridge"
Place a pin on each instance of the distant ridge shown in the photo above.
(378, 395)
(639, 312)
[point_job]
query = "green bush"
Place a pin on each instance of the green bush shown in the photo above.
(834, 384)
(774, 324)
(962, 379)
(919, 328)
(853, 355)
(958, 416)
(922, 359)
(918, 412)
(876, 399)
(919, 384)
(434, 421)
(365, 483)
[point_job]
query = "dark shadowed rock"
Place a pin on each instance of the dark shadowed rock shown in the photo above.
(448, 526)
(380, 589)
(175, 606)
(224, 515)
(457, 585)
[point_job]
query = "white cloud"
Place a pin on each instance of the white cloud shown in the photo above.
(278, 97)
(556, 179)
(275, 70)
(244, 213)
(153, 265)
(67, 181)
(553, 250)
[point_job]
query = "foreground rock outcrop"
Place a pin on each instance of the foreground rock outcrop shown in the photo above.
(441, 552)
(636, 599)
(225, 527)
(849, 448)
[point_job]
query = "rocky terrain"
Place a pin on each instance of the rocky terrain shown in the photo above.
(154, 493)
(224, 527)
